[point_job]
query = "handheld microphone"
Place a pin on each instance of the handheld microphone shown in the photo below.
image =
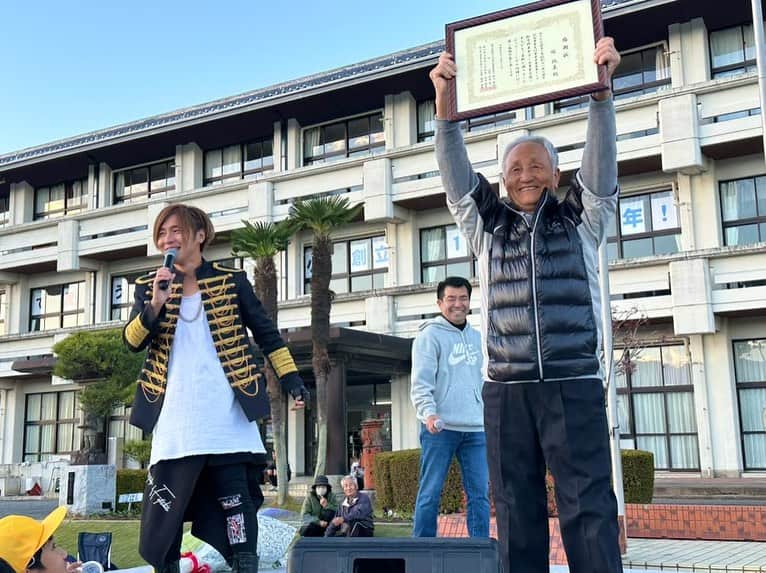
(167, 262)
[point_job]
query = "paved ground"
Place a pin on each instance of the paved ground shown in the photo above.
(33, 507)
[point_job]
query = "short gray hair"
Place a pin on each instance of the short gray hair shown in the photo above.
(538, 139)
(351, 479)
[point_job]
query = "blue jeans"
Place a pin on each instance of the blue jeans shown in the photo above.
(435, 458)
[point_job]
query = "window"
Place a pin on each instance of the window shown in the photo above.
(51, 425)
(645, 225)
(743, 210)
(3, 311)
(5, 208)
(357, 265)
(655, 401)
(61, 199)
(642, 72)
(750, 374)
(123, 290)
(732, 51)
(119, 425)
(355, 137)
(242, 161)
(443, 253)
(140, 183)
(427, 120)
(58, 306)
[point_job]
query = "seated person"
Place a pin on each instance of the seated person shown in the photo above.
(27, 545)
(270, 473)
(354, 516)
(318, 508)
(358, 472)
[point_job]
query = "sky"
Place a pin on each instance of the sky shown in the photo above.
(74, 66)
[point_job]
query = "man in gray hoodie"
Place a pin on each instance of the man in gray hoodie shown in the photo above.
(446, 393)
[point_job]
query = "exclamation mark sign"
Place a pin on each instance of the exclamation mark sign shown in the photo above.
(664, 212)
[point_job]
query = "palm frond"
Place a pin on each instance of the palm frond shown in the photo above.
(261, 239)
(322, 214)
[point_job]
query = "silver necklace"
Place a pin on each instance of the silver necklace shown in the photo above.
(196, 314)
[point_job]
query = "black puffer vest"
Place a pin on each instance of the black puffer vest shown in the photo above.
(540, 313)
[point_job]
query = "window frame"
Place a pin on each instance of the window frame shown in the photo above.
(79, 311)
(169, 163)
(619, 237)
(56, 422)
(348, 275)
(372, 148)
(242, 173)
(759, 220)
(476, 124)
(745, 386)
(5, 208)
(744, 66)
(81, 206)
(629, 391)
(644, 87)
(3, 312)
(445, 261)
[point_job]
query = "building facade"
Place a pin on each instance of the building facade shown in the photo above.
(687, 249)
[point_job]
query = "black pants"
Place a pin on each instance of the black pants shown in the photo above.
(562, 425)
(225, 483)
(312, 530)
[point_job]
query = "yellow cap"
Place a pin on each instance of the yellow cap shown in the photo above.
(21, 537)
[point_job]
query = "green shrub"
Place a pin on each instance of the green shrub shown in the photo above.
(130, 481)
(638, 476)
(397, 478)
(384, 496)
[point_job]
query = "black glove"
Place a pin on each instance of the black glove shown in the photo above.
(293, 383)
(300, 393)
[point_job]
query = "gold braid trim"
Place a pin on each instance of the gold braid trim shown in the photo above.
(224, 268)
(224, 321)
(155, 376)
(225, 353)
(242, 385)
(136, 332)
(222, 299)
(223, 343)
(282, 362)
(236, 362)
(224, 329)
(158, 366)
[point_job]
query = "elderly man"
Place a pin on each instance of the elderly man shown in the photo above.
(537, 266)
(354, 516)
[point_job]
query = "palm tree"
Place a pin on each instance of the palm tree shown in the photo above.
(262, 242)
(321, 215)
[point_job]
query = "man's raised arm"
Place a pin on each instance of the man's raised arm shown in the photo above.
(457, 174)
(599, 160)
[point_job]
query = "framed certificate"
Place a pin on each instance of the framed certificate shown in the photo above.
(524, 56)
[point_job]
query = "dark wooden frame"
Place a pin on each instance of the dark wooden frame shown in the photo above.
(450, 29)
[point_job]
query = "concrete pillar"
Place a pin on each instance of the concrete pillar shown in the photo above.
(296, 441)
(294, 147)
(683, 192)
(691, 295)
(277, 146)
(378, 181)
(679, 131)
(152, 210)
(405, 427)
(21, 203)
(68, 256)
(379, 313)
(260, 201)
(105, 185)
(189, 167)
(722, 402)
(337, 442)
(392, 240)
(701, 409)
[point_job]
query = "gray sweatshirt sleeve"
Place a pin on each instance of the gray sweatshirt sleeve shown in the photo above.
(599, 158)
(458, 177)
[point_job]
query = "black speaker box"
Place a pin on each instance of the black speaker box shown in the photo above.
(394, 555)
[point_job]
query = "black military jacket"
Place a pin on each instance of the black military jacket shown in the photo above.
(230, 305)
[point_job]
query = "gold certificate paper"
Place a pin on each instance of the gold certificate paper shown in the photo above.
(527, 58)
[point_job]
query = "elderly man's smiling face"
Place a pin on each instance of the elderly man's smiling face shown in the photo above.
(527, 172)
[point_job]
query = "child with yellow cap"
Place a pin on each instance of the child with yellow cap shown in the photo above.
(27, 545)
